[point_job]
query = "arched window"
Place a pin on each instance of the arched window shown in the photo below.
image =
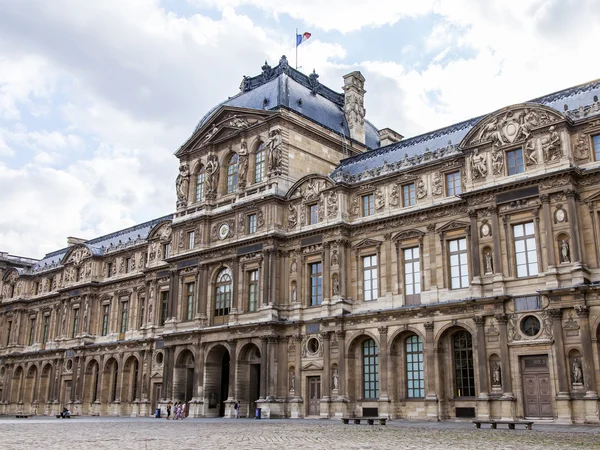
(370, 369)
(200, 185)
(415, 378)
(259, 166)
(223, 294)
(464, 373)
(232, 174)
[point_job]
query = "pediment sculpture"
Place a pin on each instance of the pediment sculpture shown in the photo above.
(78, 255)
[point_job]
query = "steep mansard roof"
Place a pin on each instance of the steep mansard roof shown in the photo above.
(576, 103)
(285, 87)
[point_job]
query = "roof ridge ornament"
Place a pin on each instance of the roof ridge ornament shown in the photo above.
(313, 82)
(267, 71)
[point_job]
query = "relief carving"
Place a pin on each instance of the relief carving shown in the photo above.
(292, 217)
(438, 184)
(479, 168)
(530, 153)
(182, 184)
(275, 152)
(551, 146)
(421, 189)
(332, 206)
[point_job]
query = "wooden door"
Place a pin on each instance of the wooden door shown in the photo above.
(314, 396)
(537, 392)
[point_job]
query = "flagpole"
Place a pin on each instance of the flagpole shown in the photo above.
(296, 43)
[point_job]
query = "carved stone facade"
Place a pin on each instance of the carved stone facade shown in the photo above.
(425, 280)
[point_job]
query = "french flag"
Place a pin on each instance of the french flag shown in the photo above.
(300, 38)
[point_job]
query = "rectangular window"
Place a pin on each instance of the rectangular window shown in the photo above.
(370, 369)
(525, 250)
(191, 241)
(142, 311)
(166, 250)
(596, 142)
(514, 160)
(453, 183)
(408, 195)
(164, 305)
(189, 305)
(124, 316)
(313, 214)
(459, 267)
(37, 288)
(415, 373)
(46, 329)
(316, 284)
(368, 203)
(127, 265)
(200, 186)
(252, 290)
(412, 276)
(109, 266)
(8, 332)
(105, 317)
(370, 277)
(252, 223)
(75, 323)
(77, 274)
(31, 331)
(50, 284)
(259, 168)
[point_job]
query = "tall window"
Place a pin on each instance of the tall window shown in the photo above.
(459, 268)
(134, 381)
(453, 183)
(200, 185)
(232, 174)
(191, 241)
(164, 306)
(31, 331)
(252, 290)
(412, 275)
(259, 167)
(313, 214)
(408, 195)
(370, 277)
(109, 267)
(415, 375)
(46, 329)
(525, 250)
(189, 305)
(368, 204)
(142, 311)
(596, 142)
(370, 369)
(75, 322)
(8, 332)
(96, 382)
(124, 316)
(36, 289)
(166, 250)
(252, 223)
(115, 380)
(127, 265)
(105, 316)
(316, 284)
(464, 374)
(514, 160)
(223, 293)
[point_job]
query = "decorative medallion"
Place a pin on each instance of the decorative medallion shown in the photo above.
(223, 230)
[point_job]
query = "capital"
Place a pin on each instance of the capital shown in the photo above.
(582, 311)
(502, 319)
(326, 335)
(429, 326)
(382, 330)
(555, 313)
(340, 334)
(479, 321)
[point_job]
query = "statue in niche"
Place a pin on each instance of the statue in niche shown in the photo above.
(242, 165)
(85, 314)
(336, 285)
(150, 314)
(551, 146)
(478, 165)
(497, 162)
(488, 263)
(294, 292)
(577, 372)
(531, 156)
(293, 381)
(212, 174)
(565, 256)
(336, 380)
(335, 258)
(496, 375)
(274, 150)
(64, 319)
(292, 216)
(182, 184)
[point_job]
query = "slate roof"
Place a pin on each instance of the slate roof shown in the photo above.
(576, 103)
(285, 87)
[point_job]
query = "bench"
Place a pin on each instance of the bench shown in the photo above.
(58, 416)
(511, 423)
(370, 420)
(22, 416)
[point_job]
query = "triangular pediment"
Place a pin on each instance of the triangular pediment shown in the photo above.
(367, 243)
(312, 366)
(593, 198)
(511, 125)
(453, 225)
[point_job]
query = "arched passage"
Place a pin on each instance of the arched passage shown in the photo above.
(183, 377)
(216, 381)
(45, 382)
(129, 388)
(248, 379)
(110, 381)
(31, 384)
(92, 383)
(17, 386)
(407, 359)
(363, 368)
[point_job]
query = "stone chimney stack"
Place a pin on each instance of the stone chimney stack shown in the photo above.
(388, 136)
(354, 105)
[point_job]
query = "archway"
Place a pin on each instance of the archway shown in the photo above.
(130, 380)
(216, 381)
(91, 392)
(110, 381)
(45, 382)
(31, 384)
(248, 379)
(17, 386)
(183, 377)
(407, 361)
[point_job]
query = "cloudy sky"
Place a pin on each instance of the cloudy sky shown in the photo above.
(96, 96)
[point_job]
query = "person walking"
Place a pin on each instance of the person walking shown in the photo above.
(237, 409)
(168, 411)
(183, 410)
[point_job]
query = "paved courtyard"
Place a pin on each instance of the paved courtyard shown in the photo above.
(147, 433)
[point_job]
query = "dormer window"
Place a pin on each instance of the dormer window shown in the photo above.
(232, 174)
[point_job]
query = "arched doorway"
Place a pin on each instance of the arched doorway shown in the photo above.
(183, 377)
(31, 384)
(248, 379)
(17, 386)
(110, 379)
(407, 362)
(91, 392)
(45, 382)
(216, 384)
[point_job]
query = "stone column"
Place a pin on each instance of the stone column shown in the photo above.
(232, 394)
(272, 378)
(340, 335)
(474, 247)
(140, 377)
(168, 364)
(326, 336)
(484, 389)
(506, 376)
(297, 365)
(496, 238)
(383, 364)
(273, 276)
(589, 374)
(547, 217)
(326, 271)
(147, 364)
(199, 371)
(573, 226)
(561, 369)
(266, 281)
(263, 367)
(430, 362)
(173, 294)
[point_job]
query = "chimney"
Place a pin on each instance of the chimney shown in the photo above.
(388, 136)
(71, 241)
(354, 106)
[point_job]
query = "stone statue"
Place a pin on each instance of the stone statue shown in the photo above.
(336, 380)
(293, 381)
(150, 314)
(421, 189)
(294, 292)
(336, 285)
(214, 129)
(497, 162)
(379, 199)
(274, 150)
(238, 122)
(577, 373)
(242, 165)
(292, 216)
(564, 251)
(355, 207)
(332, 207)
(438, 185)
(531, 156)
(479, 165)
(182, 185)
(212, 175)
(335, 258)
(64, 319)
(85, 314)
(488, 263)
(551, 146)
(496, 375)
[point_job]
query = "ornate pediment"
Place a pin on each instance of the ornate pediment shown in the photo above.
(454, 225)
(77, 254)
(511, 125)
(310, 187)
(161, 231)
(312, 366)
(367, 243)
(408, 234)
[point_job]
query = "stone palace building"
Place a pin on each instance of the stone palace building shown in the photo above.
(317, 266)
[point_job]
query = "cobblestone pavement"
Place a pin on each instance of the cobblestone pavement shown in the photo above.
(146, 433)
